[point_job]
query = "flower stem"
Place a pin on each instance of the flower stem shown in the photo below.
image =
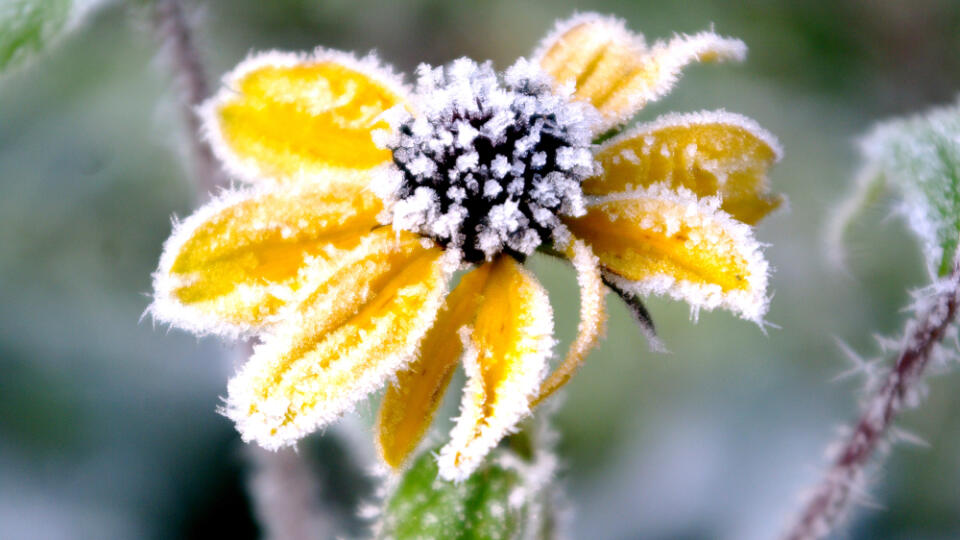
(177, 41)
(285, 496)
(831, 498)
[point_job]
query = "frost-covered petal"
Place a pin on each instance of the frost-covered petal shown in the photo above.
(291, 116)
(613, 68)
(593, 317)
(237, 260)
(660, 241)
(410, 403)
(344, 341)
(709, 153)
(505, 361)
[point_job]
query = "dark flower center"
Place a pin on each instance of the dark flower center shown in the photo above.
(488, 165)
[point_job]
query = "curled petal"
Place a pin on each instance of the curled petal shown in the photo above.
(231, 265)
(289, 116)
(660, 241)
(505, 361)
(593, 318)
(614, 69)
(338, 346)
(410, 403)
(709, 153)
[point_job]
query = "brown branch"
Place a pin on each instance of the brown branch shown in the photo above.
(830, 500)
(177, 41)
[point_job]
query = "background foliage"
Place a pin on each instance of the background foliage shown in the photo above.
(107, 424)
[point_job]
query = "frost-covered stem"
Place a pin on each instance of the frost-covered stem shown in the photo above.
(831, 497)
(176, 37)
(283, 487)
(285, 496)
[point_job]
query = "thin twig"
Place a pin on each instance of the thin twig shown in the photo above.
(177, 41)
(831, 498)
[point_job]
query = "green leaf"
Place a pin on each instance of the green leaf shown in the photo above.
(501, 500)
(919, 156)
(29, 26)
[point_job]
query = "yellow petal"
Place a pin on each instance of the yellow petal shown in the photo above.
(338, 347)
(593, 318)
(288, 116)
(410, 403)
(659, 241)
(613, 69)
(232, 264)
(505, 362)
(709, 153)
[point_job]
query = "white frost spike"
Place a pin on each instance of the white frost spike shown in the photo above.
(859, 366)
(902, 435)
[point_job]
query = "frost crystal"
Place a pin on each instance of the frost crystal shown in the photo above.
(489, 163)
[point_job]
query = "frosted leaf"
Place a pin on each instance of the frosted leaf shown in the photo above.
(510, 496)
(28, 27)
(919, 156)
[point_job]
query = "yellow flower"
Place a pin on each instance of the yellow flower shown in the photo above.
(365, 197)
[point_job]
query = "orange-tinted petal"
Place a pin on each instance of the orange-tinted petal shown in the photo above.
(613, 69)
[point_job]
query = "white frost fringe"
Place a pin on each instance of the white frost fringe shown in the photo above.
(247, 168)
(166, 308)
(474, 435)
(267, 427)
(702, 214)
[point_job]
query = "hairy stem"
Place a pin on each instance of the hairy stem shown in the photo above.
(830, 499)
(176, 38)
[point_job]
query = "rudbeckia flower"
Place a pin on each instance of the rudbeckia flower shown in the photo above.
(381, 231)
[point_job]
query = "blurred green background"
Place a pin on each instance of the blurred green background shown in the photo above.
(108, 426)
